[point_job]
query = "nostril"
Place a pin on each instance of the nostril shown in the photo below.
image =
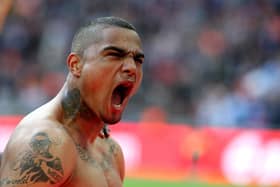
(129, 76)
(130, 71)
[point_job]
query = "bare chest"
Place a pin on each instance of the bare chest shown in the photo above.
(95, 169)
(94, 177)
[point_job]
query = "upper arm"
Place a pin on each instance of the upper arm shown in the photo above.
(36, 159)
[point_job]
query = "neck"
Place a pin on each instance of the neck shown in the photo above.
(82, 124)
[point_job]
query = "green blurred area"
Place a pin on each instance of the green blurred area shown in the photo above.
(154, 183)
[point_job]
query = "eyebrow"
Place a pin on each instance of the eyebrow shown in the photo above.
(123, 51)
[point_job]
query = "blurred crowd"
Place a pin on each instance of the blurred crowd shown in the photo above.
(207, 62)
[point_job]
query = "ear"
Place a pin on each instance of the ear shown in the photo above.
(74, 64)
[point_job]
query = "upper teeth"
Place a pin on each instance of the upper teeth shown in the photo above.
(117, 105)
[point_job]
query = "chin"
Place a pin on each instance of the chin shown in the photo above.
(111, 121)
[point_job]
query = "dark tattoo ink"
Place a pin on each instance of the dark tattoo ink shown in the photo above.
(71, 103)
(14, 181)
(85, 156)
(37, 164)
(85, 112)
(105, 163)
(112, 147)
(108, 155)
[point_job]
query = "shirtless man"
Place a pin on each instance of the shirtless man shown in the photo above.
(63, 143)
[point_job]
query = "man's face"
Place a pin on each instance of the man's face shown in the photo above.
(111, 73)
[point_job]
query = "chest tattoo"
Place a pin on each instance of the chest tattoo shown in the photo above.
(104, 161)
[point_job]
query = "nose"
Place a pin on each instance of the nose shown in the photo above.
(129, 67)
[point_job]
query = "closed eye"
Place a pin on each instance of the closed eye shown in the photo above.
(139, 57)
(139, 60)
(115, 54)
(114, 51)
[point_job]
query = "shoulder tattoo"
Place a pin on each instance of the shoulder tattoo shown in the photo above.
(36, 164)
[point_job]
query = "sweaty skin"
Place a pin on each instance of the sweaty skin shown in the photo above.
(59, 144)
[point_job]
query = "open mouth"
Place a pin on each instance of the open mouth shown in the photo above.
(120, 93)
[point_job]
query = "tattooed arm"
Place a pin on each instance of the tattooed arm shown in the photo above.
(37, 159)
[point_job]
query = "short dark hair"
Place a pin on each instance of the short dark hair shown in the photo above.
(88, 34)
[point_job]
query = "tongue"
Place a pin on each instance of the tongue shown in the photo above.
(116, 99)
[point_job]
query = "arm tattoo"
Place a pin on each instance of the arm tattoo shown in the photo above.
(37, 164)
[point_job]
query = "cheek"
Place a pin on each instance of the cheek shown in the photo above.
(92, 85)
(89, 84)
(95, 83)
(139, 81)
(91, 76)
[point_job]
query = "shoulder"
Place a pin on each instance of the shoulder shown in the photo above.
(41, 131)
(41, 148)
(107, 140)
(114, 146)
(115, 149)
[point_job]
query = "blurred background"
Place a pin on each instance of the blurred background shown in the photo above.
(208, 63)
(211, 62)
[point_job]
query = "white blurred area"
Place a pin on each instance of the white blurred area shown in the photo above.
(248, 159)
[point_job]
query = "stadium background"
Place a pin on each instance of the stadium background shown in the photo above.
(211, 66)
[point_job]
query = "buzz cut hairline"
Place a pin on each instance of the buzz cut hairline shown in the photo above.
(81, 41)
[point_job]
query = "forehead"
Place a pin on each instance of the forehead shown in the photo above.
(116, 36)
